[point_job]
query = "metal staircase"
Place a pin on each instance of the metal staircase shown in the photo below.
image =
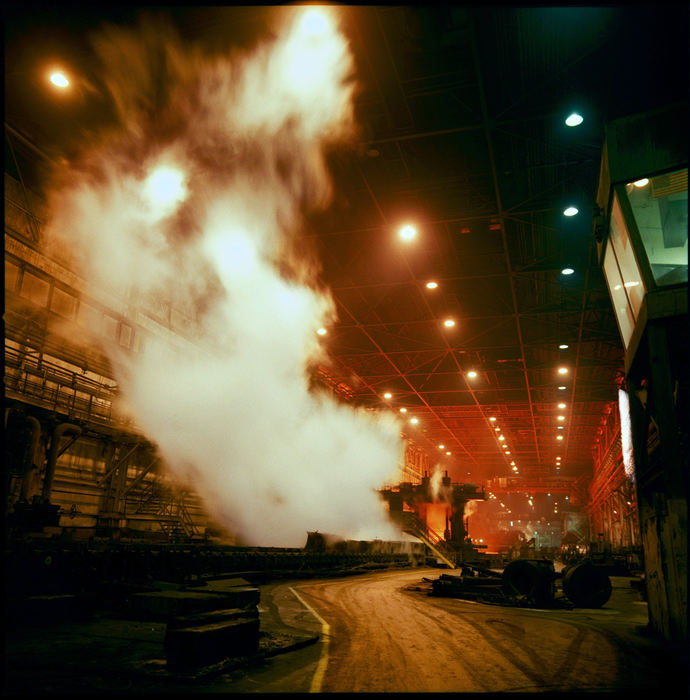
(415, 526)
(159, 502)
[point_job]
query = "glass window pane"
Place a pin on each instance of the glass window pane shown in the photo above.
(110, 327)
(619, 298)
(35, 289)
(622, 245)
(90, 318)
(660, 207)
(63, 303)
(11, 274)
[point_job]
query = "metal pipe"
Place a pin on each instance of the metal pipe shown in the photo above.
(29, 456)
(61, 430)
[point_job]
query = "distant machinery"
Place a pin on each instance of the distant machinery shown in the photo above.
(454, 546)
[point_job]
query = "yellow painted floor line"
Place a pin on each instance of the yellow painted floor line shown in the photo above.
(320, 672)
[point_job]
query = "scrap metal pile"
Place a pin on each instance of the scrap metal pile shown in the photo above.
(528, 583)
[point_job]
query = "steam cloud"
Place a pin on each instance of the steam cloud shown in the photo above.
(193, 206)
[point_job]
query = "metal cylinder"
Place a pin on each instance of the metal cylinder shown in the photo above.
(529, 580)
(586, 585)
(30, 457)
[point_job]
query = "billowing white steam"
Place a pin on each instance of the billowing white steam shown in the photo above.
(435, 483)
(192, 206)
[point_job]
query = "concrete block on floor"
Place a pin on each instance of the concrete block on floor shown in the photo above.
(163, 605)
(212, 617)
(206, 644)
(47, 610)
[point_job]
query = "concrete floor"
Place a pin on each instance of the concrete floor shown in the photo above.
(385, 635)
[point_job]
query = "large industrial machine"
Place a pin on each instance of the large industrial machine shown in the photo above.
(406, 504)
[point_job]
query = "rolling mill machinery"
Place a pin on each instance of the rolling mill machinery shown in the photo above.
(408, 505)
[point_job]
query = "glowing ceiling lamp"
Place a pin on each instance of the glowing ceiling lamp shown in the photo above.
(492, 419)
(562, 370)
(403, 410)
(314, 23)
(570, 211)
(641, 183)
(561, 405)
(414, 421)
(562, 388)
(59, 79)
(563, 346)
(574, 119)
(164, 188)
(567, 271)
(471, 374)
(431, 285)
(560, 417)
(449, 453)
(449, 323)
(388, 395)
(322, 331)
(407, 232)
(559, 437)
(441, 447)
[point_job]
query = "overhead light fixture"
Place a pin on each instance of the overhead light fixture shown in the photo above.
(449, 453)
(559, 437)
(403, 410)
(567, 271)
(641, 183)
(562, 388)
(314, 23)
(570, 211)
(431, 285)
(508, 452)
(560, 427)
(500, 437)
(563, 346)
(562, 370)
(561, 405)
(440, 447)
(414, 421)
(322, 331)
(574, 119)
(407, 232)
(493, 419)
(449, 323)
(59, 79)
(388, 395)
(560, 417)
(471, 374)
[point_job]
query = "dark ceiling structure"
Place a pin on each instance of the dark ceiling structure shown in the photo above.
(461, 110)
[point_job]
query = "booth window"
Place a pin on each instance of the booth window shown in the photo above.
(660, 207)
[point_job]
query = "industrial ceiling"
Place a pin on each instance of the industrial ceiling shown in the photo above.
(461, 113)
